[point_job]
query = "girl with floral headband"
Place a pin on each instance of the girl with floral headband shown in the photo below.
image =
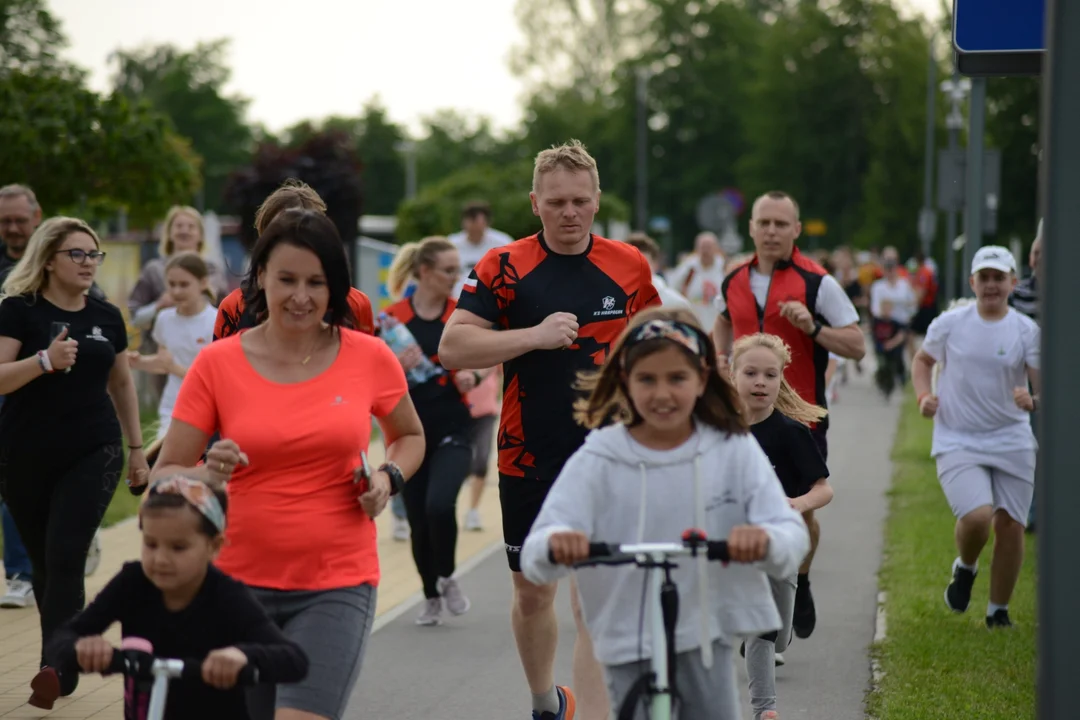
(678, 456)
(175, 598)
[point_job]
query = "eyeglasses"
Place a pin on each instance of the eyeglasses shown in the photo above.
(79, 257)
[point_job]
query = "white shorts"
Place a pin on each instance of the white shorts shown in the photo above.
(1003, 481)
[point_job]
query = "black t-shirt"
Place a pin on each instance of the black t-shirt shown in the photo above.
(442, 409)
(71, 412)
(792, 451)
(223, 614)
(518, 286)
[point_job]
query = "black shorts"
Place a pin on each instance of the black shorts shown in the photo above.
(921, 322)
(521, 500)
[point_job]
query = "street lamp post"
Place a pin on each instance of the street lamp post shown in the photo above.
(956, 90)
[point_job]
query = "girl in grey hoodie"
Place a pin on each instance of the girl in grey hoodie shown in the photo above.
(678, 457)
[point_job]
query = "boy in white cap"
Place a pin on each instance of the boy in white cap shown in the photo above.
(983, 443)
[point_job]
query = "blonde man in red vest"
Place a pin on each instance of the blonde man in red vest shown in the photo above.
(783, 292)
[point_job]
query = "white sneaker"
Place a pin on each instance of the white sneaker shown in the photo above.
(431, 613)
(401, 529)
(93, 558)
(20, 593)
(472, 520)
(779, 660)
(455, 600)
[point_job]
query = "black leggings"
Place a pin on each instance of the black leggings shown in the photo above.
(431, 506)
(57, 502)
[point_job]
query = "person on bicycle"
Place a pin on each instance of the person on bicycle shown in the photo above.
(679, 455)
(188, 609)
(779, 420)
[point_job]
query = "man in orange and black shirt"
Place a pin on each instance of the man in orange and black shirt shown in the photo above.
(547, 306)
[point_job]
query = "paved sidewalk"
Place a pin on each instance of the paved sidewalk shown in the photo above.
(100, 698)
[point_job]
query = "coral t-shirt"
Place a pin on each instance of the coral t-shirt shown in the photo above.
(294, 521)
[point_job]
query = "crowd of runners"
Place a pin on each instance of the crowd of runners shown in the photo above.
(635, 405)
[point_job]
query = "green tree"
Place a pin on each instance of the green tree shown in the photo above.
(378, 141)
(31, 38)
(189, 87)
(453, 140)
(73, 146)
(1012, 125)
(437, 208)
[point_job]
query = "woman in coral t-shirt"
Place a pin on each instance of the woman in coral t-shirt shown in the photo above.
(292, 399)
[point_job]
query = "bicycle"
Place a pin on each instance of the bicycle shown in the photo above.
(662, 608)
(136, 661)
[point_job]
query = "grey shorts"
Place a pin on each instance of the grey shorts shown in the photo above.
(332, 626)
(1004, 481)
(705, 692)
(483, 435)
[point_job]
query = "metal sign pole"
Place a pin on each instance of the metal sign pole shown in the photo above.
(975, 197)
(1059, 493)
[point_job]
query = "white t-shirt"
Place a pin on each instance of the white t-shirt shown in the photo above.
(471, 253)
(668, 297)
(700, 286)
(184, 336)
(982, 361)
(900, 294)
(833, 304)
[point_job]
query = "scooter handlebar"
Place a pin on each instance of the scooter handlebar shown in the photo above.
(128, 662)
(607, 553)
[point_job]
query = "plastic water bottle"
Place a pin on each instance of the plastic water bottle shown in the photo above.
(398, 337)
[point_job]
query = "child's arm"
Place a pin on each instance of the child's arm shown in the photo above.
(278, 659)
(820, 495)
(88, 625)
(768, 508)
(568, 508)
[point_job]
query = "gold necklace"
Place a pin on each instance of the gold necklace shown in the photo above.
(314, 348)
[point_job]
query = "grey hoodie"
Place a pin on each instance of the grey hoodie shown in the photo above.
(618, 491)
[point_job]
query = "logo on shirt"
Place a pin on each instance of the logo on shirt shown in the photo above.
(95, 334)
(608, 303)
(339, 401)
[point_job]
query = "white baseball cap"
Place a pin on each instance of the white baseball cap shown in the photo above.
(993, 257)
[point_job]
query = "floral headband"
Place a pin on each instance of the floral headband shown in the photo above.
(196, 492)
(678, 332)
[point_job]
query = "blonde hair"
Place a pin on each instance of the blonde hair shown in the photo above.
(166, 247)
(29, 275)
(292, 194)
(787, 400)
(570, 156)
(608, 399)
(411, 257)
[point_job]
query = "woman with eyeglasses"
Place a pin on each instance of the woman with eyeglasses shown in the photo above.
(69, 401)
(439, 397)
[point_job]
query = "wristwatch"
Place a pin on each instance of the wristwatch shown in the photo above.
(397, 479)
(817, 329)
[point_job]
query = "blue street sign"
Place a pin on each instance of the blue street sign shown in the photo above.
(999, 37)
(999, 26)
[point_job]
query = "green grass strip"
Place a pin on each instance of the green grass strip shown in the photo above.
(937, 664)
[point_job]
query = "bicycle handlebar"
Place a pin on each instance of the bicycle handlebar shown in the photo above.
(125, 662)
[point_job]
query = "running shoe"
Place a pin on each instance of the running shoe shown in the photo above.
(567, 706)
(453, 598)
(431, 614)
(999, 619)
(45, 688)
(958, 594)
(472, 521)
(805, 618)
(20, 593)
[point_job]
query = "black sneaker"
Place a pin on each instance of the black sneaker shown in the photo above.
(999, 619)
(805, 616)
(958, 594)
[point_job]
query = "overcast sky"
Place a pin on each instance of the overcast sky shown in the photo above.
(300, 59)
